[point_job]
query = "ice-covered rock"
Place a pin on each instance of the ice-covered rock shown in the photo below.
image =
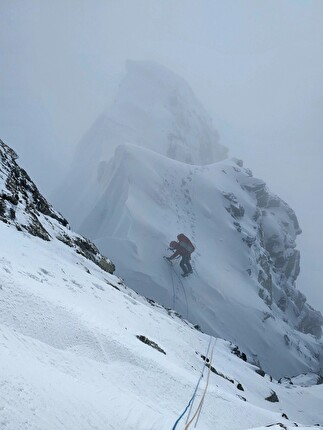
(278, 259)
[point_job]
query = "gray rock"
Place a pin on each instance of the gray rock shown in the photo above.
(39, 217)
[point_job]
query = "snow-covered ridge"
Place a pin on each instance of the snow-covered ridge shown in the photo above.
(245, 264)
(136, 189)
(22, 205)
(80, 350)
(154, 108)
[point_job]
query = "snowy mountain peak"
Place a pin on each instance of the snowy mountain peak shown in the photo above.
(23, 206)
(154, 109)
(166, 114)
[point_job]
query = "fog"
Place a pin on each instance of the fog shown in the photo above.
(256, 65)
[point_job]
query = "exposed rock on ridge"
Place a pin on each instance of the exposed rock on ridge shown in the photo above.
(278, 260)
(22, 205)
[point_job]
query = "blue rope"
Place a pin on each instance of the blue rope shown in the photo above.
(203, 368)
(194, 394)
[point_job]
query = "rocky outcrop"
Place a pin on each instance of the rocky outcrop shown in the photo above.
(272, 240)
(272, 398)
(151, 343)
(23, 206)
(233, 207)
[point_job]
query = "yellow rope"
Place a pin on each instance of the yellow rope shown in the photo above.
(205, 389)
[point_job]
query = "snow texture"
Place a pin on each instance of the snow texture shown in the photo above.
(71, 355)
(134, 194)
(245, 263)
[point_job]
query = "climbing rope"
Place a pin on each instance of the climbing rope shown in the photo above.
(195, 270)
(202, 374)
(190, 403)
(174, 294)
(181, 282)
(199, 408)
(198, 416)
(171, 275)
(182, 285)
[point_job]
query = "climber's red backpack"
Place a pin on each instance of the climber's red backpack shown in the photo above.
(185, 243)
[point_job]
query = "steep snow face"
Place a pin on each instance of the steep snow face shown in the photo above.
(158, 183)
(80, 350)
(154, 108)
(245, 263)
(22, 206)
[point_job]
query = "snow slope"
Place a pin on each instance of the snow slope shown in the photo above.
(245, 264)
(22, 206)
(133, 188)
(70, 357)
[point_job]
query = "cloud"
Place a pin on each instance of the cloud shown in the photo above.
(256, 66)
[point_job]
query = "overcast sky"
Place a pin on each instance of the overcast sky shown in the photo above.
(256, 65)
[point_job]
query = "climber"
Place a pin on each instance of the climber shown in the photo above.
(184, 249)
